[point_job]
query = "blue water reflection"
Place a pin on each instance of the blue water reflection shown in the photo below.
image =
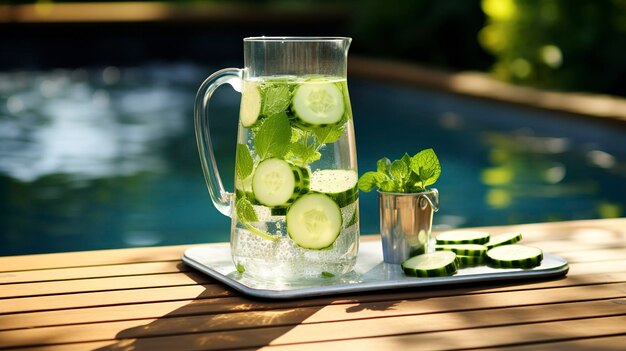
(105, 158)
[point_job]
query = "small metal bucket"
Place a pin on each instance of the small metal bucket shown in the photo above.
(406, 222)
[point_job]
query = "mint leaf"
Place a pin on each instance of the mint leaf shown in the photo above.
(272, 138)
(245, 214)
(383, 165)
(327, 275)
(245, 211)
(369, 180)
(407, 160)
(414, 184)
(399, 170)
(240, 268)
(426, 166)
(244, 162)
(329, 134)
(276, 98)
(302, 154)
(389, 186)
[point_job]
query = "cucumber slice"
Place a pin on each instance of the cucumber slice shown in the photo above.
(462, 237)
(277, 183)
(434, 264)
(318, 104)
(515, 256)
(504, 239)
(464, 249)
(250, 109)
(470, 261)
(338, 184)
(314, 221)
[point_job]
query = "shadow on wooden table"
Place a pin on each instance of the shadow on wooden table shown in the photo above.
(217, 318)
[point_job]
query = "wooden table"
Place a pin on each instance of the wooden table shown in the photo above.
(147, 299)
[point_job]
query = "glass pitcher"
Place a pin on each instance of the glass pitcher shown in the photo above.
(295, 207)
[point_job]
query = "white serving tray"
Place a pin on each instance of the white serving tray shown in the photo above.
(369, 274)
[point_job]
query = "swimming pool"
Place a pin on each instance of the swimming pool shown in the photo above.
(106, 158)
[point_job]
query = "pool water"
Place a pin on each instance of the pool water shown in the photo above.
(106, 157)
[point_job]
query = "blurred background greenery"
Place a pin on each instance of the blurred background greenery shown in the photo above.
(568, 45)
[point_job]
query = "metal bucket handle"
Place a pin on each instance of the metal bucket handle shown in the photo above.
(429, 197)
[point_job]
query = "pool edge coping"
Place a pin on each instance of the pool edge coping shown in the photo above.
(603, 107)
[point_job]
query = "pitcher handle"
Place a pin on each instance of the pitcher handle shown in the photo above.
(222, 199)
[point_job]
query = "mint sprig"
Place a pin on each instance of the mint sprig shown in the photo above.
(273, 137)
(406, 175)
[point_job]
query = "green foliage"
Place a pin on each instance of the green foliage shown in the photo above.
(558, 44)
(439, 33)
(406, 175)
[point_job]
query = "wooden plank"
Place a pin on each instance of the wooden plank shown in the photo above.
(584, 231)
(177, 293)
(205, 305)
(118, 270)
(478, 309)
(597, 343)
(608, 343)
(102, 284)
(319, 314)
(602, 255)
(185, 305)
(430, 332)
(91, 258)
(114, 297)
(462, 339)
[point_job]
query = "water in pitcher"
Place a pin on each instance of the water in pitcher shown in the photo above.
(296, 198)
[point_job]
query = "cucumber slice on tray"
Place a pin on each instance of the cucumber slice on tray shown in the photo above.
(470, 261)
(464, 249)
(277, 183)
(318, 104)
(338, 184)
(463, 237)
(515, 256)
(314, 221)
(504, 239)
(434, 264)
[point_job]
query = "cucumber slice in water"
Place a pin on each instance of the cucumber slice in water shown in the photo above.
(515, 256)
(464, 249)
(277, 183)
(504, 239)
(338, 184)
(250, 108)
(433, 264)
(462, 237)
(318, 104)
(314, 221)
